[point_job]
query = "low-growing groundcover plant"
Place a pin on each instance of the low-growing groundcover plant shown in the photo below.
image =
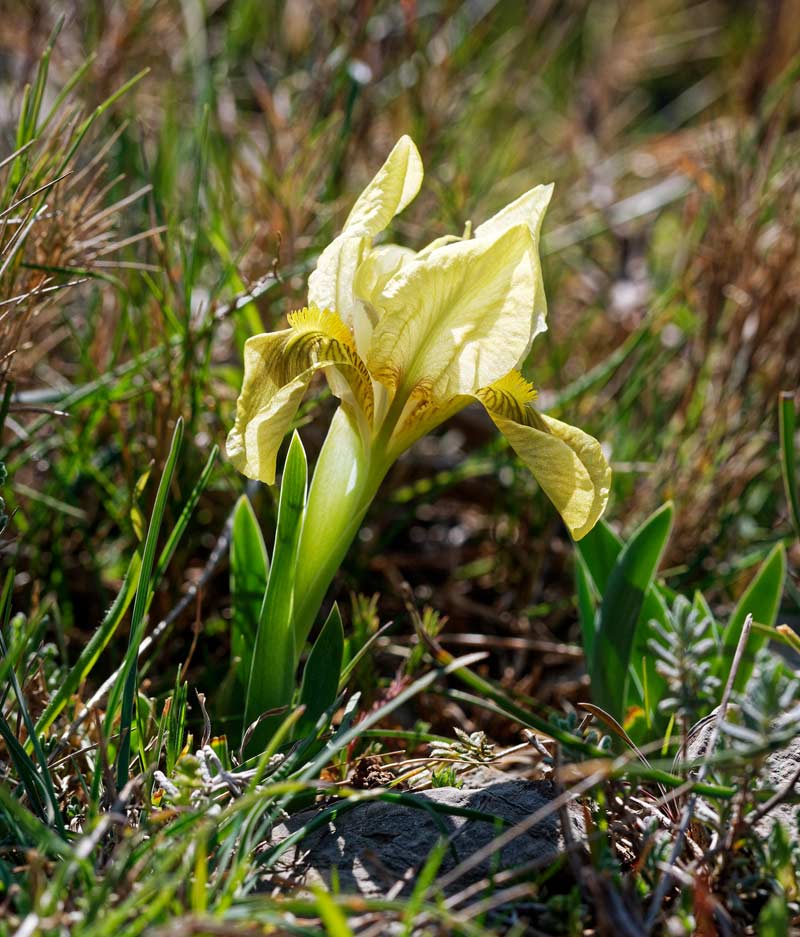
(405, 340)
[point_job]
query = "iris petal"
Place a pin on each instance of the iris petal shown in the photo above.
(528, 209)
(331, 284)
(278, 368)
(568, 463)
(456, 320)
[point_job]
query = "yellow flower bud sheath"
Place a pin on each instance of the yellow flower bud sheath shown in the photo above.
(346, 479)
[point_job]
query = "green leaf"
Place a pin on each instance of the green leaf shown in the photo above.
(586, 607)
(643, 665)
(774, 918)
(36, 779)
(321, 675)
(599, 550)
(619, 618)
(248, 579)
(761, 600)
(272, 670)
(786, 419)
(331, 915)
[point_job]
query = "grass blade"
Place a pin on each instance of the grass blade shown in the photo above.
(37, 781)
(188, 509)
(787, 421)
(88, 657)
(332, 915)
(127, 683)
(425, 880)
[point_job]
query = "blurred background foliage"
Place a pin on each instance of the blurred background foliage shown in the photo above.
(671, 260)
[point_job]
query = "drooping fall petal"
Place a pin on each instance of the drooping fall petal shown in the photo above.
(568, 463)
(278, 368)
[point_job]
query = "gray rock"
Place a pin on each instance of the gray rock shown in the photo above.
(377, 844)
(781, 767)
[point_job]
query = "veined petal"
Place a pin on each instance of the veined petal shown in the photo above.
(323, 338)
(568, 463)
(509, 397)
(265, 408)
(442, 241)
(378, 267)
(395, 185)
(278, 368)
(458, 319)
(528, 209)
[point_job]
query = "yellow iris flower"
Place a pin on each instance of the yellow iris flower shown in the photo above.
(405, 340)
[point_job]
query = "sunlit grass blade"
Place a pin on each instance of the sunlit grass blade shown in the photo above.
(89, 655)
(176, 724)
(787, 421)
(367, 648)
(332, 916)
(126, 686)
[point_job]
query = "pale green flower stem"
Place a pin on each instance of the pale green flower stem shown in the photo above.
(346, 479)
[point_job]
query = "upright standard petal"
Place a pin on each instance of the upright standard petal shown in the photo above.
(456, 320)
(528, 209)
(331, 284)
(376, 269)
(394, 186)
(568, 463)
(278, 368)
